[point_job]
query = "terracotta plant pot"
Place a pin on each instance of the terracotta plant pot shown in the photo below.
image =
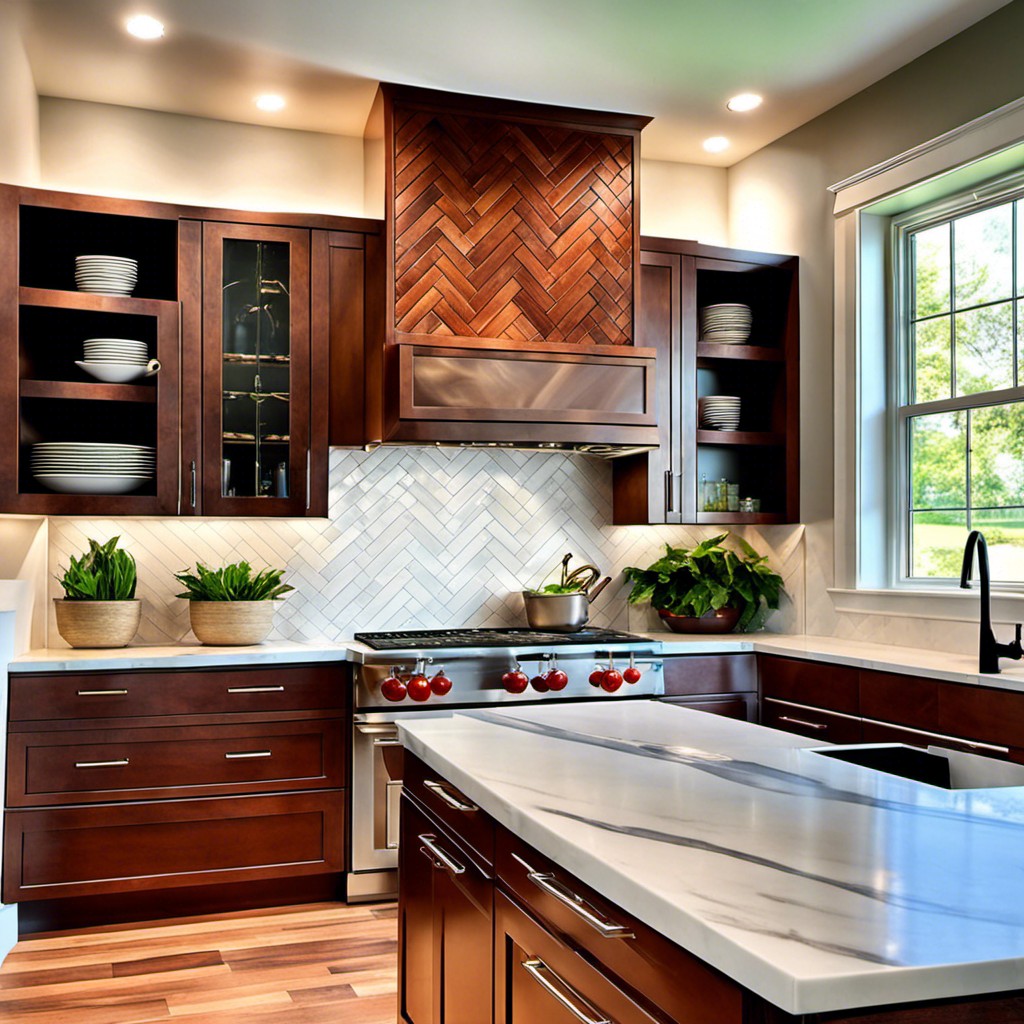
(231, 623)
(722, 621)
(97, 623)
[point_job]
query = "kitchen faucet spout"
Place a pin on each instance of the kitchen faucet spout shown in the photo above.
(989, 650)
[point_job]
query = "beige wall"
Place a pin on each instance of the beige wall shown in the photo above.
(124, 151)
(684, 201)
(19, 118)
(778, 200)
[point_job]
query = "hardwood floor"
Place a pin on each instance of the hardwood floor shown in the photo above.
(313, 964)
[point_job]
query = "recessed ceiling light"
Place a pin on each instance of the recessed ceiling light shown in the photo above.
(745, 101)
(716, 144)
(270, 101)
(144, 26)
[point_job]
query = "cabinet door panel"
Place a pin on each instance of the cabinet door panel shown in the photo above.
(741, 706)
(719, 673)
(814, 683)
(981, 713)
(541, 980)
(890, 697)
(417, 957)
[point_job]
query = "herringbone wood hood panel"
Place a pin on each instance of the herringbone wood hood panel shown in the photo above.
(512, 229)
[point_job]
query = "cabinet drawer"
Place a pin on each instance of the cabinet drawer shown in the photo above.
(881, 732)
(677, 982)
(462, 818)
(907, 700)
(742, 706)
(810, 682)
(720, 673)
(91, 695)
(811, 722)
(109, 848)
(980, 713)
(73, 766)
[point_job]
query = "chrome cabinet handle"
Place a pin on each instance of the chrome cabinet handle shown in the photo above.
(192, 485)
(452, 801)
(385, 741)
(255, 689)
(119, 763)
(576, 903)
(309, 481)
(431, 850)
(242, 755)
(570, 998)
(816, 726)
(668, 491)
(101, 693)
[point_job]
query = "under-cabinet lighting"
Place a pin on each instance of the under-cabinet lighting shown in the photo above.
(144, 26)
(744, 101)
(716, 144)
(270, 101)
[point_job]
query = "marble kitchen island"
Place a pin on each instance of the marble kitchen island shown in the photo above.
(818, 885)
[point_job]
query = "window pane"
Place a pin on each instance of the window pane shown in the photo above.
(984, 349)
(1004, 535)
(1019, 205)
(937, 543)
(997, 455)
(931, 271)
(938, 460)
(933, 372)
(983, 264)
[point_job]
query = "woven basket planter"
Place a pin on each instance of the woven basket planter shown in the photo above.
(97, 623)
(231, 623)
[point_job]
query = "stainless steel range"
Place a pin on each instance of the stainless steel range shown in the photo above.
(436, 672)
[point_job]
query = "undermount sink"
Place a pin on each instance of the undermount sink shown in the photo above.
(936, 766)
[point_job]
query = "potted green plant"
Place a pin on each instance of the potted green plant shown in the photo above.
(232, 606)
(709, 588)
(99, 607)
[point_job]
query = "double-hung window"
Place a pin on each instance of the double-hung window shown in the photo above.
(958, 399)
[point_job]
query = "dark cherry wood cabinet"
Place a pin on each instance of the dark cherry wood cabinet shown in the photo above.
(720, 684)
(253, 317)
(678, 279)
(842, 704)
(445, 908)
(225, 787)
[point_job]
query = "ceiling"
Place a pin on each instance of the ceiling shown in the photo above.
(678, 60)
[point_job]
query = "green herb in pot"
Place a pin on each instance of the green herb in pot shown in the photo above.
(104, 573)
(235, 582)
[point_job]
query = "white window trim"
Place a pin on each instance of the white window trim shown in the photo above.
(862, 491)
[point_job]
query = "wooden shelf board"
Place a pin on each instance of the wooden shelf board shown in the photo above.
(93, 301)
(741, 518)
(747, 353)
(82, 390)
(762, 438)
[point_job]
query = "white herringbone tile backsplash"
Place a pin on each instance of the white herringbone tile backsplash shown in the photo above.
(418, 538)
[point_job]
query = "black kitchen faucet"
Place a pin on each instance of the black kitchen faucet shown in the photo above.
(989, 650)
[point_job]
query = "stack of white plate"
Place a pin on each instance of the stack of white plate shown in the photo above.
(116, 360)
(719, 412)
(726, 322)
(110, 275)
(87, 467)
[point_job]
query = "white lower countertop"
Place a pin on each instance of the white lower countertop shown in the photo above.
(817, 884)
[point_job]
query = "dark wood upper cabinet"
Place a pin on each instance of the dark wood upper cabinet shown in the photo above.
(678, 280)
(258, 322)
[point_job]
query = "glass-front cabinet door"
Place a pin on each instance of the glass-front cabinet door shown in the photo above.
(256, 370)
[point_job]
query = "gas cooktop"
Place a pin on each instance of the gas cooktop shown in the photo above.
(434, 639)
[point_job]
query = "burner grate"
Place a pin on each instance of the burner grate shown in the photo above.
(432, 639)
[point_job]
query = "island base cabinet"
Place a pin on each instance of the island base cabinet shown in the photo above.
(445, 928)
(541, 980)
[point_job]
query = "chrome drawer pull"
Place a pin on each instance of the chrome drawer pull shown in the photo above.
(119, 763)
(101, 693)
(255, 689)
(816, 726)
(243, 754)
(577, 904)
(438, 856)
(538, 970)
(452, 801)
(384, 741)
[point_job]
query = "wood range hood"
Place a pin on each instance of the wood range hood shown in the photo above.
(511, 272)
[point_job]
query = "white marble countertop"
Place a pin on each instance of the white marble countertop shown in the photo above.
(817, 884)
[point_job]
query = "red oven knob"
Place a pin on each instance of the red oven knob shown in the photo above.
(419, 687)
(515, 681)
(440, 684)
(393, 689)
(540, 683)
(557, 679)
(632, 674)
(596, 676)
(610, 680)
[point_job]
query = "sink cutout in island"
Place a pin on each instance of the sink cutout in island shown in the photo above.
(936, 766)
